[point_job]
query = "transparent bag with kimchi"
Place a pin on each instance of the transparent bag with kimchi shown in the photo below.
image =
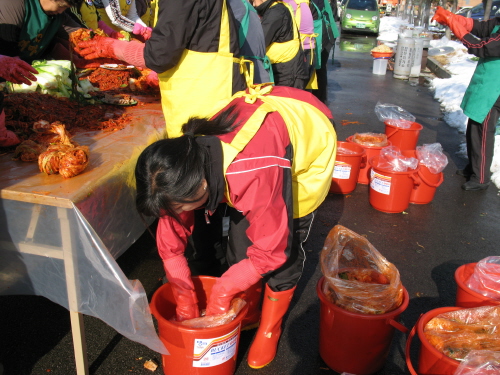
(480, 362)
(456, 333)
(394, 115)
(370, 139)
(237, 304)
(357, 277)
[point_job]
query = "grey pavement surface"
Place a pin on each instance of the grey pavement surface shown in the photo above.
(426, 243)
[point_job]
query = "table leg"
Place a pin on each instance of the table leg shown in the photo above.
(77, 327)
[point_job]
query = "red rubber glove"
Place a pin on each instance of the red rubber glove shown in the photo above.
(144, 32)
(237, 278)
(152, 80)
(108, 30)
(179, 276)
(97, 47)
(7, 138)
(17, 71)
(459, 25)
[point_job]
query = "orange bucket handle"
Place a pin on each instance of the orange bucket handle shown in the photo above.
(407, 348)
(441, 179)
(394, 131)
(397, 325)
(416, 178)
(363, 160)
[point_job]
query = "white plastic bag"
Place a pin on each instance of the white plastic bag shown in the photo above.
(480, 362)
(432, 156)
(391, 158)
(485, 279)
(394, 115)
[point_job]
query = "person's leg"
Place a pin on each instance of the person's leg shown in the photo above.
(280, 286)
(322, 74)
(480, 148)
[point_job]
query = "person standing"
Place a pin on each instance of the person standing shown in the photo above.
(289, 64)
(258, 154)
(481, 101)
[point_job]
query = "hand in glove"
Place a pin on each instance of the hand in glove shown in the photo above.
(97, 47)
(16, 70)
(108, 30)
(143, 31)
(459, 25)
(179, 276)
(237, 278)
(152, 80)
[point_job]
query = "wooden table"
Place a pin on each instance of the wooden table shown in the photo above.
(63, 235)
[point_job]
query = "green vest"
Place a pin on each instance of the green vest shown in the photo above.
(484, 88)
(38, 31)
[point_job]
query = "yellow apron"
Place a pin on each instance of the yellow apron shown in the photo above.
(87, 15)
(124, 8)
(314, 152)
(286, 51)
(149, 16)
(198, 81)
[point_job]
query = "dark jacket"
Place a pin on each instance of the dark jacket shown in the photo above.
(193, 25)
(278, 26)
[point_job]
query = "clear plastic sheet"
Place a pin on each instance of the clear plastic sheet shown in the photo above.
(457, 332)
(211, 321)
(62, 236)
(432, 156)
(480, 362)
(394, 115)
(358, 278)
(392, 159)
(370, 139)
(486, 277)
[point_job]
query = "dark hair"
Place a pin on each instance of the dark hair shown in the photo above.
(171, 170)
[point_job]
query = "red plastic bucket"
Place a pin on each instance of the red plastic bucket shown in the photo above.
(347, 166)
(430, 360)
(364, 171)
(404, 139)
(390, 191)
(356, 343)
(196, 351)
(467, 297)
(424, 193)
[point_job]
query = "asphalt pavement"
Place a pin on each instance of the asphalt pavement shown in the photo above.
(427, 243)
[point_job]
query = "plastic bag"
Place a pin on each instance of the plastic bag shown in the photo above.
(456, 333)
(357, 277)
(431, 155)
(370, 139)
(486, 277)
(217, 320)
(480, 362)
(394, 115)
(391, 158)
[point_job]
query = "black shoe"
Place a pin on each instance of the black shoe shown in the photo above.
(474, 186)
(464, 172)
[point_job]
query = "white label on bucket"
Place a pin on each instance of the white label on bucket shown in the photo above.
(380, 183)
(213, 352)
(342, 170)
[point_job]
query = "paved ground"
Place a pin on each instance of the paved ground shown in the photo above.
(426, 243)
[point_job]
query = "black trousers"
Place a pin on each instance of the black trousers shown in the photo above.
(480, 145)
(322, 74)
(288, 275)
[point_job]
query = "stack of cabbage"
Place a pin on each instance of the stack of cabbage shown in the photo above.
(53, 78)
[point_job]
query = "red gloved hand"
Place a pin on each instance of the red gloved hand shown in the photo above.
(17, 71)
(144, 32)
(179, 276)
(97, 47)
(108, 30)
(237, 278)
(7, 138)
(459, 25)
(152, 80)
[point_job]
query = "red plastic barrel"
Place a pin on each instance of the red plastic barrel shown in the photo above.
(390, 191)
(467, 297)
(195, 351)
(364, 171)
(424, 192)
(404, 139)
(356, 343)
(350, 158)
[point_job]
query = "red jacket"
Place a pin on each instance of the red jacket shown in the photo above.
(259, 181)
